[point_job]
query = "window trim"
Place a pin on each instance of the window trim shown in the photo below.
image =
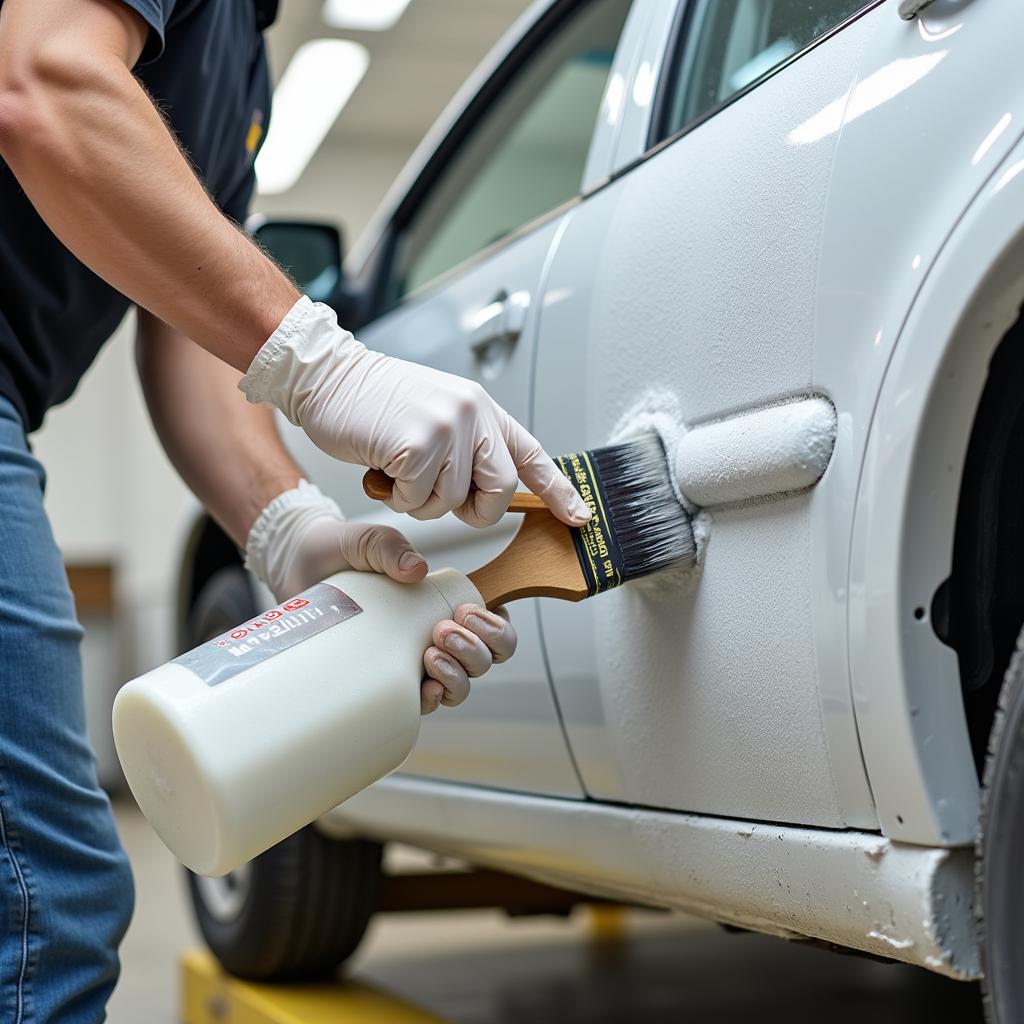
(481, 255)
(548, 23)
(656, 139)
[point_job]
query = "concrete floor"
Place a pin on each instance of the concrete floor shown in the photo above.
(481, 968)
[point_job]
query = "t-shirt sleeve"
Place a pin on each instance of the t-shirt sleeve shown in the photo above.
(156, 14)
(235, 199)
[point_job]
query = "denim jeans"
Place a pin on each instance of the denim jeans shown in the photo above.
(65, 886)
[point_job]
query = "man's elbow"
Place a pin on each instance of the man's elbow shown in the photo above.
(16, 115)
(37, 92)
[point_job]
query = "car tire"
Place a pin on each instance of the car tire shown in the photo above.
(301, 908)
(1000, 853)
(225, 600)
(297, 911)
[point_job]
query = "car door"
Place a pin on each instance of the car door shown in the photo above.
(458, 289)
(686, 286)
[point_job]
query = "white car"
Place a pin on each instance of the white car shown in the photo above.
(697, 210)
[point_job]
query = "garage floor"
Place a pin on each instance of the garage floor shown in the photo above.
(480, 968)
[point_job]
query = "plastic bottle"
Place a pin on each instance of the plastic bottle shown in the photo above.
(237, 744)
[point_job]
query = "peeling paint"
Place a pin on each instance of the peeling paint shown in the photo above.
(877, 851)
(888, 940)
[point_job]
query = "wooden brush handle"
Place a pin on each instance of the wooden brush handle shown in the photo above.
(540, 560)
(378, 485)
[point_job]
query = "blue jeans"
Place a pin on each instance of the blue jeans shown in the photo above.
(65, 886)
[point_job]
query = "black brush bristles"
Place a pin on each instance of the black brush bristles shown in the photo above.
(638, 527)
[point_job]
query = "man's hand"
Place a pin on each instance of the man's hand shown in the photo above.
(300, 538)
(448, 445)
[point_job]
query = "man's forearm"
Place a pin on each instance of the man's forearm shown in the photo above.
(103, 171)
(226, 450)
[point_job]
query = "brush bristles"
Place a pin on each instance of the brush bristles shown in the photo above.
(651, 528)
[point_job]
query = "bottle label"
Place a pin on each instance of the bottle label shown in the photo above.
(277, 629)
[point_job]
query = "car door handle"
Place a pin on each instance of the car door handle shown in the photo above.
(501, 321)
(495, 329)
(910, 9)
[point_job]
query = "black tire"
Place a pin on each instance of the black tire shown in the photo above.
(303, 907)
(225, 600)
(1000, 854)
(300, 909)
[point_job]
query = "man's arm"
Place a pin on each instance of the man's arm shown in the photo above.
(102, 169)
(226, 450)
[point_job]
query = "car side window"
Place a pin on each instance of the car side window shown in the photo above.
(730, 44)
(525, 156)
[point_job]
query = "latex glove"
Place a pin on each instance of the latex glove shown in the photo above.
(301, 537)
(448, 445)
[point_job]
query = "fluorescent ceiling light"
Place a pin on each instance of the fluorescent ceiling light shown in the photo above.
(367, 15)
(314, 88)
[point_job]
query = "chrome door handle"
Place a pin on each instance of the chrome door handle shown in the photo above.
(499, 323)
(909, 9)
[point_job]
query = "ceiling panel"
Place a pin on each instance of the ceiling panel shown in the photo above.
(415, 67)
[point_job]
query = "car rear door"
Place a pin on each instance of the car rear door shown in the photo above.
(458, 289)
(686, 284)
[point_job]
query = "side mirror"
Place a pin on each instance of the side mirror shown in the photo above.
(310, 252)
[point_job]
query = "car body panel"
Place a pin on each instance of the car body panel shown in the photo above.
(650, 66)
(704, 698)
(622, 92)
(854, 889)
(914, 736)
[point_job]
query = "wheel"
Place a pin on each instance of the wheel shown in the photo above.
(1000, 896)
(297, 911)
(300, 909)
(225, 601)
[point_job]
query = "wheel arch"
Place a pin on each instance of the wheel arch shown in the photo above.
(978, 610)
(914, 489)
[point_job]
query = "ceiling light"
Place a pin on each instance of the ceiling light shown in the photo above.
(314, 88)
(366, 15)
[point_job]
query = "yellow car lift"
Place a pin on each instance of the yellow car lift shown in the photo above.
(210, 996)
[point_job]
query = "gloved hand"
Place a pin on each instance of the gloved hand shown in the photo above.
(448, 445)
(301, 537)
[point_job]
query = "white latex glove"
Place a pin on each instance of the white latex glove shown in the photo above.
(301, 537)
(448, 445)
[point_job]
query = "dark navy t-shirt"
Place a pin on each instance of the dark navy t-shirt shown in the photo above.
(205, 67)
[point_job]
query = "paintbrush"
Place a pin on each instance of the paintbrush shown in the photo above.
(638, 527)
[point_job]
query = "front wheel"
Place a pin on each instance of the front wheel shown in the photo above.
(1001, 853)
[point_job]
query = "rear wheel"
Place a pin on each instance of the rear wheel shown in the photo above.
(297, 911)
(1001, 854)
(300, 909)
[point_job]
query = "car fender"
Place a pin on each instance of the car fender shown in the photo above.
(905, 682)
(920, 133)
